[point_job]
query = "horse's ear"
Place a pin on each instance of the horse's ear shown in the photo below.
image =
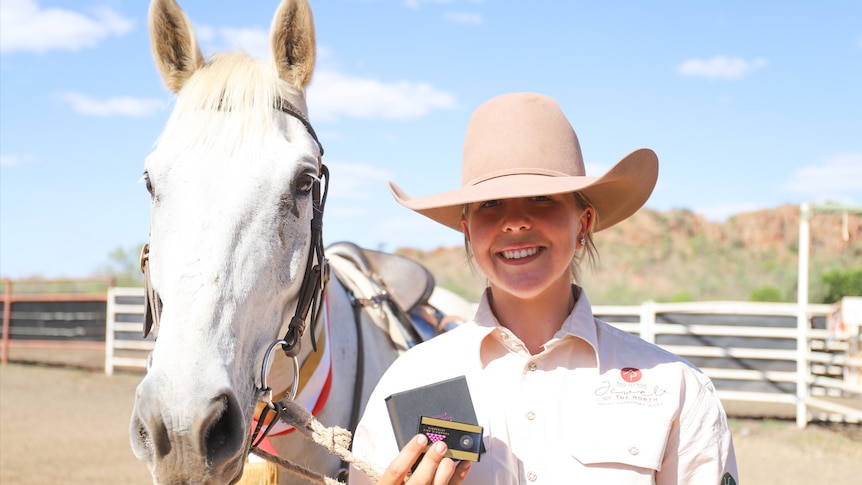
(293, 42)
(175, 47)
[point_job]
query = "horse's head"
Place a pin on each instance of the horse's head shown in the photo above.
(233, 180)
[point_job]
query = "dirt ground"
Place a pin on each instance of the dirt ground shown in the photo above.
(67, 422)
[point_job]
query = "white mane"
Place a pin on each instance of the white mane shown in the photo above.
(246, 91)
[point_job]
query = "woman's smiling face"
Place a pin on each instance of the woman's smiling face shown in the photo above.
(525, 245)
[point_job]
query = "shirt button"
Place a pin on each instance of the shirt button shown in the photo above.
(634, 450)
(530, 415)
(504, 335)
(532, 477)
(533, 366)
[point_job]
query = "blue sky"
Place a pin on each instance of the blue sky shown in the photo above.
(749, 105)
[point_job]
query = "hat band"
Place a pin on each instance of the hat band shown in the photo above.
(517, 171)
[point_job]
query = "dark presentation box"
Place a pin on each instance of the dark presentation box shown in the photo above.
(444, 401)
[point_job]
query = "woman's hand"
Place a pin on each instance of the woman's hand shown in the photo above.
(434, 469)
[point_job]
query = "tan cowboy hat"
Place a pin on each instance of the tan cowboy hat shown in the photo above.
(522, 145)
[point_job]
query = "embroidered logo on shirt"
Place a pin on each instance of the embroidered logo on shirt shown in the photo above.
(630, 386)
(630, 374)
(727, 479)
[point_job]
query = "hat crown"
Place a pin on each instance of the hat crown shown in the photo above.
(520, 133)
(522, 145)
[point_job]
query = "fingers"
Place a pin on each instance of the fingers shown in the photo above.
(400, 467)
(434, 469)
(460, 472)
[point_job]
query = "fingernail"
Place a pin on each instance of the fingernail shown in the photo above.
(440, 447)
(422, 439)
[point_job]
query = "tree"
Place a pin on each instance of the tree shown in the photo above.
(125, 266)
(842, 283)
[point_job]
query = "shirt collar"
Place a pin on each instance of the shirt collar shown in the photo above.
(579, 324)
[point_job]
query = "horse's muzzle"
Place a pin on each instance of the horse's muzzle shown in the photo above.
(200, 442)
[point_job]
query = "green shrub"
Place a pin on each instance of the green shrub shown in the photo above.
(842, 283)
(766, 293)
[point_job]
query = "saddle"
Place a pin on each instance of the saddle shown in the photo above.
(394, 282)
(407, 282)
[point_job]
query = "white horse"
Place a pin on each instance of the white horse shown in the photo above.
(237, 184)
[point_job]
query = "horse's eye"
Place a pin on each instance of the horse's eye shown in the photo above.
(305, 182)
(149, 183)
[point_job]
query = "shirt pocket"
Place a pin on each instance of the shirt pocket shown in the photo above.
(622, 444)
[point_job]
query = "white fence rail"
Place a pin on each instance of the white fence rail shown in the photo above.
(758, 352)
(124, 346)
(754, 352)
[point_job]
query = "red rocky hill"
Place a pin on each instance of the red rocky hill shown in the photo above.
(679, 256)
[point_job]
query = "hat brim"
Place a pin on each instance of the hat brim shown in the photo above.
(615, 196)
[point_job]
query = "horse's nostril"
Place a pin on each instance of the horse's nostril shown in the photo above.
(142, 443)
(223, 430)
(144, 438)
(150, 441)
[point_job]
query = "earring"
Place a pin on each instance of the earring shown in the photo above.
(583, 241)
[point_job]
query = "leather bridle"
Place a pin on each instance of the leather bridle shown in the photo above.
(310, 299)
(316, 275)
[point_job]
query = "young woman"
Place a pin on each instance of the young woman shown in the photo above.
(562, 396)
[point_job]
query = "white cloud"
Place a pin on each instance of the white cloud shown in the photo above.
(464, 18)
(333, 95)
(838, 178)
(720, 67)
(595, 169)
(120, 106)
(419, 3)
(252, 40)
(410, 230)
(26, 27)
(205, 34)
(721, 212)
(15, 160)
(356, 181)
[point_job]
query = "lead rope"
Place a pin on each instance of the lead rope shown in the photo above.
(335, 439)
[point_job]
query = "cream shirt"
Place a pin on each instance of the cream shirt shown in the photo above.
(596, 406)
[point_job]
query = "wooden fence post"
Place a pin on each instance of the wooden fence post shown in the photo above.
(110, 337)
(7, 318)
(802, 321)
(647, 331)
